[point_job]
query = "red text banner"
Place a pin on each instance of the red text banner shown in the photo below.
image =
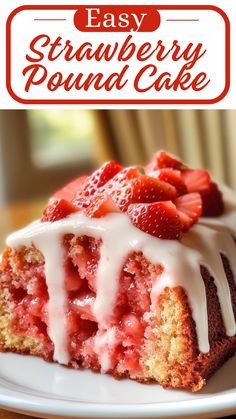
(117, 18)
(114, 54)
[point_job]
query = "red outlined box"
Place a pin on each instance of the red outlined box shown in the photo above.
(114, 101)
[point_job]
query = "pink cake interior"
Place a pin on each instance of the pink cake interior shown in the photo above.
(29, 294)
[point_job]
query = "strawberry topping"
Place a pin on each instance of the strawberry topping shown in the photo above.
(142, 189)
(196, 180)
(189, 208)
(58, 209)
(101, 176)
(162, 160)
(212, 201)
(100, 205)
(173, 177)
(98, 178)
(164, 199)
(121, 178)
(160, 219)
(68, 192)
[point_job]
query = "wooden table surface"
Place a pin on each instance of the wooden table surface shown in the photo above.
(12, 218)
(9, 415)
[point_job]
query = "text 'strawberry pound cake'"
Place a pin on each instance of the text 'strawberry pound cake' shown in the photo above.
(122, 276)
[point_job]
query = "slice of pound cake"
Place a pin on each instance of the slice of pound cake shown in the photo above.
(130, 272)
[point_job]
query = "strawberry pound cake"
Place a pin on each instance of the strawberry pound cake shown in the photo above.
(130, 272)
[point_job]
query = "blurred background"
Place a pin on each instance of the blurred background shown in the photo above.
(40, 150)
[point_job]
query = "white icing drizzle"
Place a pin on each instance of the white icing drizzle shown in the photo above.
(180, 259)
(53, 251)
(104, 342)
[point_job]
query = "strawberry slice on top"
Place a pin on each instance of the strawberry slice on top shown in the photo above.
(189, 208)
(163, 160)
(173, 177)
(100, 205)
(95, 181)
(101, 176)
(160, 219)
(128, 190)
(212, 201)
(142, 189)
(196, 180)
(122, 177)
(163, 200)
(58, 209)
(68, 192)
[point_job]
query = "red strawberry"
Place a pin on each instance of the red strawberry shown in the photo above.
(189, 208)
(120, 180)
(96, 180)
(141, 189)
(58, 209)
(212, 201)
(101, 176)
(185, 220)
(123, 176)
(160, 219)
(128, 191)
(68, 192)
(100, 205)
(162, 160)
(196, 180)
(173, 177)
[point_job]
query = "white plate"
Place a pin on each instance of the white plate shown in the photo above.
(31, 386)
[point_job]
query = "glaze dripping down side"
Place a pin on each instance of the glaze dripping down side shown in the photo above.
(181, 261)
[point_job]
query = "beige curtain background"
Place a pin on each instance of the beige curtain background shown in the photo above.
(202, 138)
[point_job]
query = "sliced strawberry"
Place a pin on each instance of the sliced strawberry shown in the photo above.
(173, 177)
(189, 208)
(196, 180)
(101, 176)
(58, 209)
(97, 179)
(160, 219)
(162, 160)
(100, 205)
(68, 192)
(212, 200)
(185, 220)
(122, 177)
(120, 180)
(141, 189)
(117, 184)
